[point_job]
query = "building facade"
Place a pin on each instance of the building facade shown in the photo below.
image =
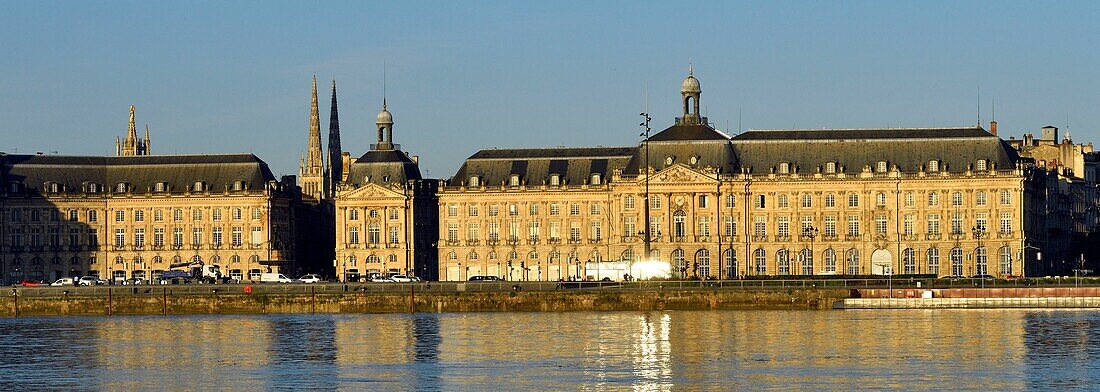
(135, 216)
(943, 201)
(385, 212)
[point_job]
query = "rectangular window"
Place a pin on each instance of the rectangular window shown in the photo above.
(139, 216)
(783, 202)
(554, 209)
(761, 201)
(730, 226)
(628, 202)
(216, 215)
(238, 214)
(703, 201)
(880, 224)
(139, 237)
(353, 235)
(494, 231)
(533, 231)
(177, 237)
(654, 202)
(120, 216)
(910, 224)
(830, 226)
(196, 215)
(760, 226)
(158, 215)
(216, 237)
(853, 200)
(595, 231)
(393, 213)
(909, 199)
(452, 210)
(574, 231)
(807, 200)
(853, 225)
(1006, 198)
(93, 238)
(1006, 222)
(784, 226)
(494, 210)
(574, 209)
(981, 222)
(158, 237)
(257, 236)
(655, 226)
(513, 231)
(807, 225)
(704, 226)
(472, 231)
(471, 210)
(630, 226)
(934, 224)
(394, 235)
(236, 239)
(452, 232)
(731, 201)
(256, 213)
(74, 237)
(533, 209)
(353, 214)
(594, 209)
(956, 223)
(830, 200)
(120, 238)
(196, 236)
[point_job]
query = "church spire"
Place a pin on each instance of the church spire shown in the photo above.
(146, 145)
(312, 170)
(335, 164)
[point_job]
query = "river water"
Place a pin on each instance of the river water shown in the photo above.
(644, 351)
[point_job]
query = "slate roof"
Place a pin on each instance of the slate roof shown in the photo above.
(535, 165)
(141, 172)
(682, 142)
(909, 149)
(383, 167)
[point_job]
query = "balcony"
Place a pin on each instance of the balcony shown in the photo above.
(853, 237)
(759, 237)
(554, 241)
(595, 240)
(75, 248)
(446, 243)
(574, 241)
(782, 238)
(513, 241)
(933, 237)
(117, 248)
(981, 235)
(909, 237)
(957, 236)
(1004, 234)
(158, 246)
(533, 241)
(829, 237)
(492, 242)
(139, 247)
(472, 242)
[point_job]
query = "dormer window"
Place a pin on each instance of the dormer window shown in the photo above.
(669, 159)
(595, 180)
(880, 167)
(238, 185)
(93, 187)
(160, 186)
(980, 165)
(121, 187)
(14, 187)
(784, 168)
(933, 166)
(694, 159)
(474, 181)
(199, 186)
(53, 187)
(555, 180)
(513, 180)
(830, 167)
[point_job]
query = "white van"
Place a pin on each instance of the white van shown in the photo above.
(271, 277)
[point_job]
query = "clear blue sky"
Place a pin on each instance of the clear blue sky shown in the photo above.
(234, 77)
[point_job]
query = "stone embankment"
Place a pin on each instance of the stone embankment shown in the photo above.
(120, 301)
(973, 298)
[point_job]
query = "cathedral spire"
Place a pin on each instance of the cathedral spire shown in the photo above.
(335, 164)
(312, 171)
(132, 133)
(146, 145)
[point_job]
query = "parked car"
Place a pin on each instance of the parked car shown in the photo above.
(401, 278)
(31, 283)
(485, 278)
(134, 281)
(64, 282)
(310, 278)
(382, 279)
(89, 281)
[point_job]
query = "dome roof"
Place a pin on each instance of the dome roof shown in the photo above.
(690, 85)
(384, 117)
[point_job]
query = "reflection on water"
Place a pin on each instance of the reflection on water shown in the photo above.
(643, 351)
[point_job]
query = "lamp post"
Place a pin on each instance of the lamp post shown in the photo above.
(980, 255)
(810, 232)
(645, 125)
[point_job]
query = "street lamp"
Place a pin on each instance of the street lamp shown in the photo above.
(980, 256)
(810, 232)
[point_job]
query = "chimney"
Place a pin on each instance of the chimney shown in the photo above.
(993, 127)
(416, 159)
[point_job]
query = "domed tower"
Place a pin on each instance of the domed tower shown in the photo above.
(690, 91)
(385, 129)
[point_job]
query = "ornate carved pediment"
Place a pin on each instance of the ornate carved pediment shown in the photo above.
(371, 191)
(680, 174)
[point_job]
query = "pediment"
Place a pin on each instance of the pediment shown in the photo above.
(681, 174)
(372, 191)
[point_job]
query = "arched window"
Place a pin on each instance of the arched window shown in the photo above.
(474, 182)
(596, 256)
(731, 264)
(374, 259)
(933, 261)
(679, 224)
(679, 262)
(702, 261)
(956, 262)
(628, 202)
(806, 259)
(909, 261)
(472, 256)
(830, 261)
(782, 262)
(628, 255)
(853, 261)
(595, 179)
(760, 258)
(533, 256)
(982, 260)
(234, 259)
(880, 199)
(880, 167)
(492, 255)
(830, 167)
(1006, 261)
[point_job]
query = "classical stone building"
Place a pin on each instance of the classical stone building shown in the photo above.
(939, 201)
(385, 212)
(135, 216)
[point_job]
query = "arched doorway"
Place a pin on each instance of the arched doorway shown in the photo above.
(881, 262)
